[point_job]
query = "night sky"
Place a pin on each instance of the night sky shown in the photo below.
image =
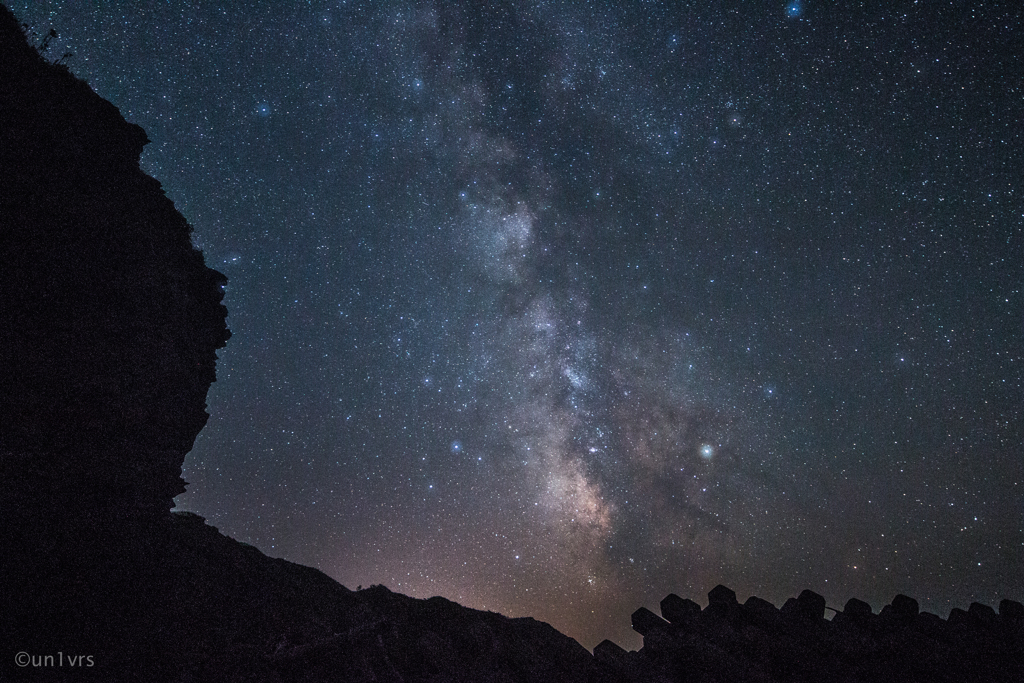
(554, 308)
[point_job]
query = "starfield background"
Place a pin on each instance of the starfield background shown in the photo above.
(555, 308)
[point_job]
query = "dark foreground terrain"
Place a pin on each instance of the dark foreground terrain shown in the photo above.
(110, 326)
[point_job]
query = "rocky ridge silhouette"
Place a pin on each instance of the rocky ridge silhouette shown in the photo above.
(756, 641)
(111, 322)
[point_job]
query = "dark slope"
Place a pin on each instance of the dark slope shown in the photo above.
(182, 602)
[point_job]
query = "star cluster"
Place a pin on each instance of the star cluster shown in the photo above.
(553, 308)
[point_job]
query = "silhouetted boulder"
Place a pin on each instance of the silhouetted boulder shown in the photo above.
(644, 621)
(608, 651)
(761, 612)
(1011, 610)
(809, 606)
(983, 614)
(721, 595)
(722, 606)
(856, 614)
(679, 610)
(959, 617)
(857, 609)
(899, 614)
(905, 606)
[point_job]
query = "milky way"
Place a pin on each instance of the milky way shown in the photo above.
(553, 310)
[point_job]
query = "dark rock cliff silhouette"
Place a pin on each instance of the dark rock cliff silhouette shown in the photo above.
(109, 324)
(110, 317)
